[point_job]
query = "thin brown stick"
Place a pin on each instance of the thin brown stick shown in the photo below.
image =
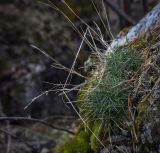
(19, 119)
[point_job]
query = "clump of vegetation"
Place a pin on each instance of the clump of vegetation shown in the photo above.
(108, 101)
(104, 101)
(105, 105)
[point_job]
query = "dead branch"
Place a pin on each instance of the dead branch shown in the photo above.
(19, 139)
(21, 119)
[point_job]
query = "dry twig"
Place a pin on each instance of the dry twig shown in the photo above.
(34, 120)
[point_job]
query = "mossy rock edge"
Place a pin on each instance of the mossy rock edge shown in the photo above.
(140, 76)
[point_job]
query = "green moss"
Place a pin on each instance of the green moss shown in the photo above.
(79, 144)
(98, 131)
(143, 44)
(143, 105)
(125, 29)
(85, 141)
(140, 119)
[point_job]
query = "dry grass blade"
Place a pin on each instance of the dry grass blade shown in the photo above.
(74, 62)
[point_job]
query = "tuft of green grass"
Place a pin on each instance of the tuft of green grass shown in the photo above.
(108, 102)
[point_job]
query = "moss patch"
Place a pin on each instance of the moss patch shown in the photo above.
(142, 107)
(79, 144)
(98, 132)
